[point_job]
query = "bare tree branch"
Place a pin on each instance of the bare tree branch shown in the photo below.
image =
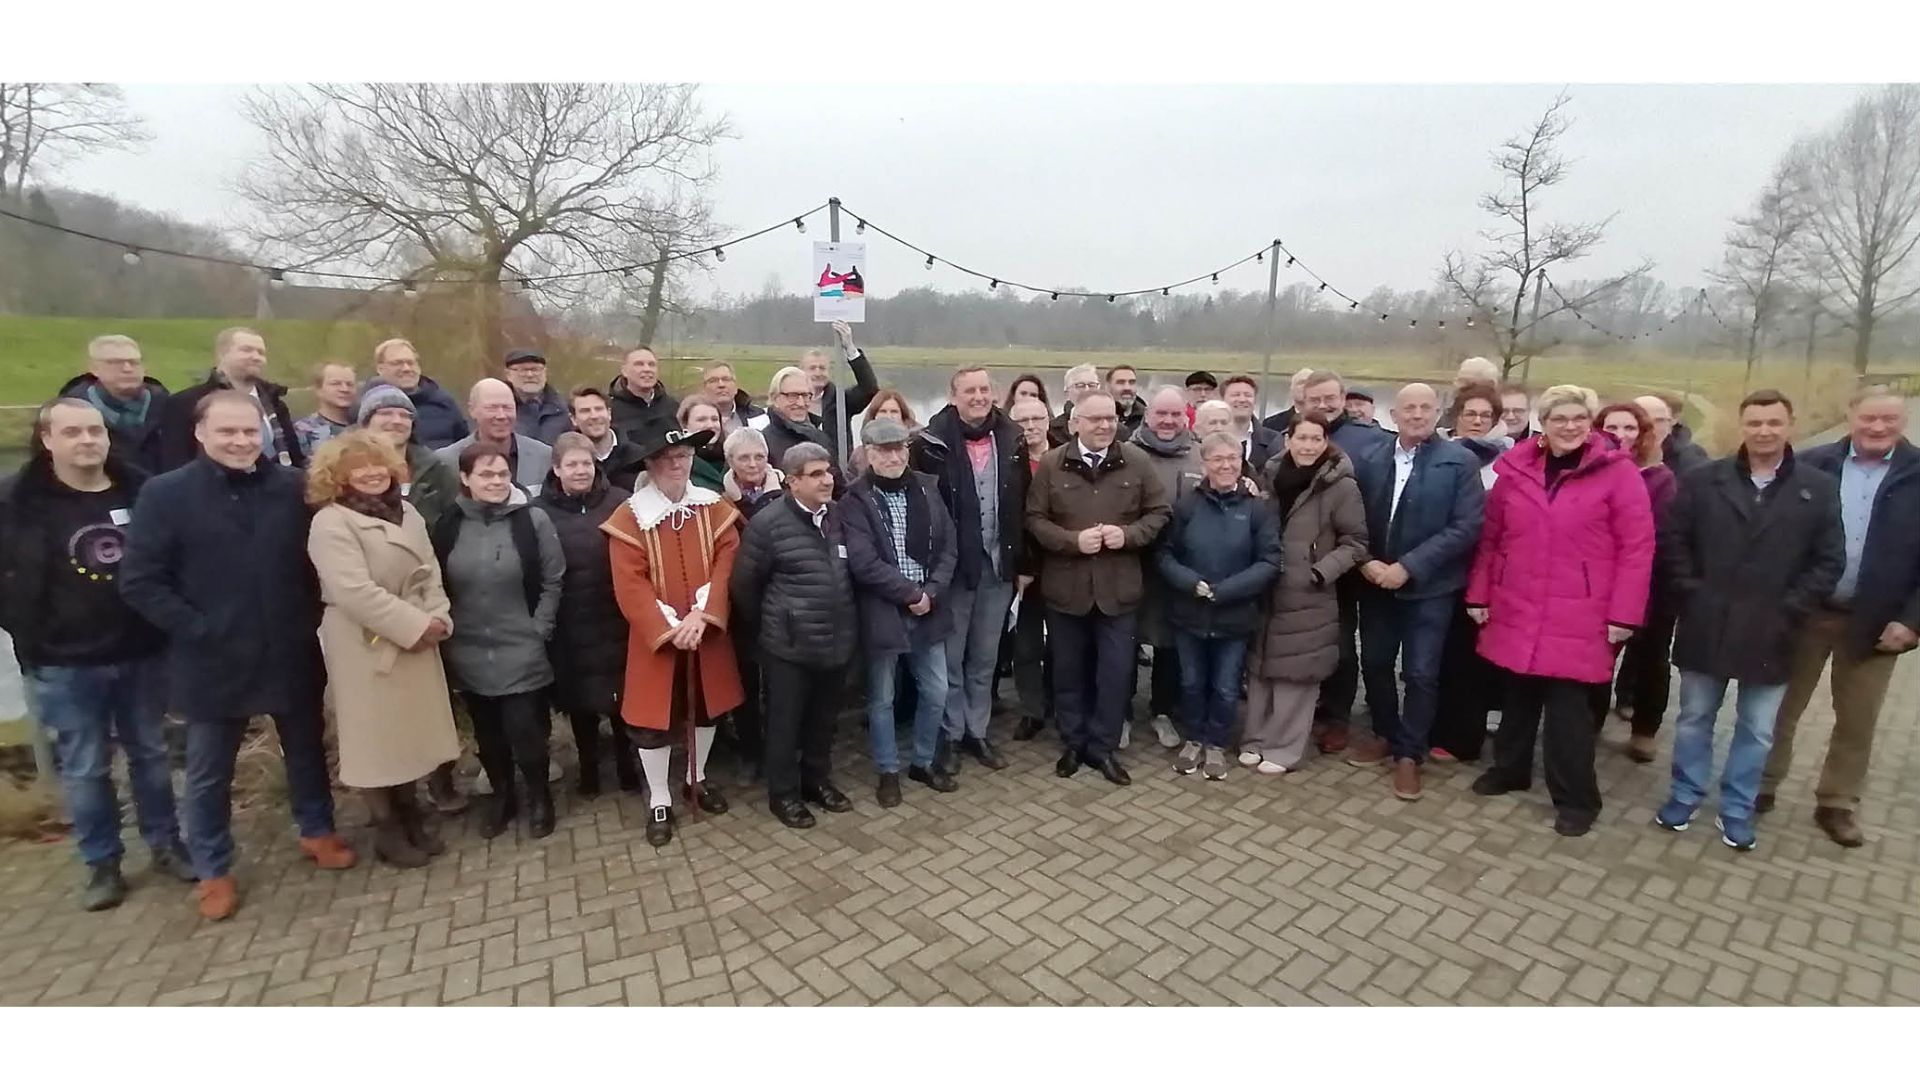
(43, 125)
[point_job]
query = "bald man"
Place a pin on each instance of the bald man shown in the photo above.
(1424, 503)
(494, 411)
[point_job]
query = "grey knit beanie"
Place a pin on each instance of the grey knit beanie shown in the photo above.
(383, 397)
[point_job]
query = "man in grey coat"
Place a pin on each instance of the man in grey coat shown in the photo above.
(495, 413)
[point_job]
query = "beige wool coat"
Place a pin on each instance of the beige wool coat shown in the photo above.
(381, 585)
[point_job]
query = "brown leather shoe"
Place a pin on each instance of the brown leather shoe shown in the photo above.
(1406, 779)
(1368, 750)
(1640, 748)
(328, 852)
(1839, 826)
(218, 898)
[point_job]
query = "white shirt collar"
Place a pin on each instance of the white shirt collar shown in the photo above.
(651, 507)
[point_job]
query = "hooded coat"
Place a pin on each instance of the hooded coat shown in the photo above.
(1556, 567)
(1323, 537)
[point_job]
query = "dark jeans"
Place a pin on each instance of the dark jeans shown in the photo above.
(1092, 668)
(750, 719)
(1165, 686)
(1645, 681)
(88, 709)
(802, 703)
(1210, 671)
(1470, 688)
(1414, 632)
(1569, 741)
(510, 731)
(213, 747)
(1337, 691)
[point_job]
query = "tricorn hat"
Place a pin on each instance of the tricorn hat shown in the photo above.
(661, 435)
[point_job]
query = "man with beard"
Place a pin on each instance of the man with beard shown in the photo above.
(636, 395)
(592, 416)
(1173, 455)
(1123, 382)
(538, 411)
(979, 458)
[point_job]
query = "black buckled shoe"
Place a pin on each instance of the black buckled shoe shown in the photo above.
(660, 826)
(828, 798)
(706, 795)
(792, 813)
(932, 777)
(983, 751)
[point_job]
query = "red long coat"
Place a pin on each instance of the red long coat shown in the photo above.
(668, 564)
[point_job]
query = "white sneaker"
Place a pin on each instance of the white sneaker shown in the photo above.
(481, 785)
(1126, 733)
(1250, 758)
(1269, 768)
(553, 771)
(1163, 730)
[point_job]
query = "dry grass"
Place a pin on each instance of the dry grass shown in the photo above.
(29, 809)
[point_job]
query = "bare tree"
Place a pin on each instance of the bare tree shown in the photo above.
(475, 182)
(1760, 257)
(44, 124)
(1495, 284)
(1862, 183)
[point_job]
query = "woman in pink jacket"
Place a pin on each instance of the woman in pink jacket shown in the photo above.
(1559, 581)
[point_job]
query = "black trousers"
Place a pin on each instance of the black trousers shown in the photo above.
(1163, 681)
(1645, 681)
(802, 703)
(1470, 688)
(750, 719)
(511, 731)
(1564, 707)
(587, 727)
(1092, 677)
(1338, 690)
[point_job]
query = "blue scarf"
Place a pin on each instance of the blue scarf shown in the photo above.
(121, 415)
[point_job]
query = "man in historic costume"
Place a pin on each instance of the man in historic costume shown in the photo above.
(672, 553)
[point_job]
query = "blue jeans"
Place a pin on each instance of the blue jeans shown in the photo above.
(973, 649)
(88, 709)
(213, 746)
(928, 667)
(1754, 710)
(1209, 685)
(1415, 633)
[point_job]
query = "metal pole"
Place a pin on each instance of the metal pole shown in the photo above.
(1266, 361)
(1813, 322)
(1533, 327)
(843, 424)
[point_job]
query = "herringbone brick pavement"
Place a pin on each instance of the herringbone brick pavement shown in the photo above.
(1317, 887)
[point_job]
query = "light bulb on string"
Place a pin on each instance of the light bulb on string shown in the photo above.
(1469, 322)
(992, 285)
(1055, 296)
(800, 224)
(1289, 260)
(1216, 279)
(1322, 288)
(1411, 323)
(1166, 291)
(407, 290)
(131, 257)
(1259, 256)
(929, 262)
(1109, 298)
(1383, 318)
(277, 278)
(1443, 324)
(859, 227)
(720, 254)
(1353, 305)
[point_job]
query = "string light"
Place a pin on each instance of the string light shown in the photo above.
(1056, 296)
(859, 227)
(1322, 288)
(992, 285)
(1469, 322)
(1216, 279)
(1259, 256)
(1443, 324)
(1289, 260)
(277, 279)
(409, 291)
(929, 262)
(720, 254)
(131, 257)
(800, 224)
(1166, 292)
(1109, 298)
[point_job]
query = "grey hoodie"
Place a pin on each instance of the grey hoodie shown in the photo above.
(498, 647)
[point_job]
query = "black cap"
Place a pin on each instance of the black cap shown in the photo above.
(1202, 378)
(524, 356)
(1358, 392)
(663, 434)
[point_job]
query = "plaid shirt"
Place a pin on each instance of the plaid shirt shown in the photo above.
(896, 503)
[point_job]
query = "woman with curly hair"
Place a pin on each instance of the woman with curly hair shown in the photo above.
(386, 614)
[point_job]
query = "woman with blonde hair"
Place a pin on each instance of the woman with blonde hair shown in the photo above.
(1559, 583)
(386, 614)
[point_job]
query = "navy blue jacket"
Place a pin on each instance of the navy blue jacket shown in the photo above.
(544, 418)
(218, 561)
(437, 419)
(1231, 541)
(1889, 585)
(886, 626)
(1433, 534)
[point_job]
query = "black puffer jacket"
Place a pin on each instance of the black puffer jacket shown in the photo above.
(589, 644)
(792, 582)
(783, 435)
(138, 445)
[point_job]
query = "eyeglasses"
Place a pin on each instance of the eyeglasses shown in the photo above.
(1517, 410)
(1568, 421)
(1475, 414)
(1083, 386)
(1099, 419)
(794, 395)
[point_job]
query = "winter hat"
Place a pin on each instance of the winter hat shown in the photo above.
(383, 397)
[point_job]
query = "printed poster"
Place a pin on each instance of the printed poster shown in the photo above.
(839, 281)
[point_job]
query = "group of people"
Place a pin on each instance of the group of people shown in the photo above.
(660, 570)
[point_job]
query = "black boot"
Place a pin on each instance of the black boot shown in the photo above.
(540, 807)
(586, 743)
(1029, 727)
(413, 819)
(105, 887)
(501, 809)
(390, 843)
(443, 793)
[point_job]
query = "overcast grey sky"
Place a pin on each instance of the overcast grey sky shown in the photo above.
(1116, 187)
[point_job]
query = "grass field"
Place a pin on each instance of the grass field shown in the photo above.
(38, 354)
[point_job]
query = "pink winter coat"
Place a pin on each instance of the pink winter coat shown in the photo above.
(1554, 572)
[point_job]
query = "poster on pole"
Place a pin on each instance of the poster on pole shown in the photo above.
(839, 281)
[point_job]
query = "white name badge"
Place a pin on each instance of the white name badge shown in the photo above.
(119, 517)
(840, 550)
(406, 490)
(533, 490)
(286, 458)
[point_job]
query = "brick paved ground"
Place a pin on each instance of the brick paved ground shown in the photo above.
(1024, 888)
